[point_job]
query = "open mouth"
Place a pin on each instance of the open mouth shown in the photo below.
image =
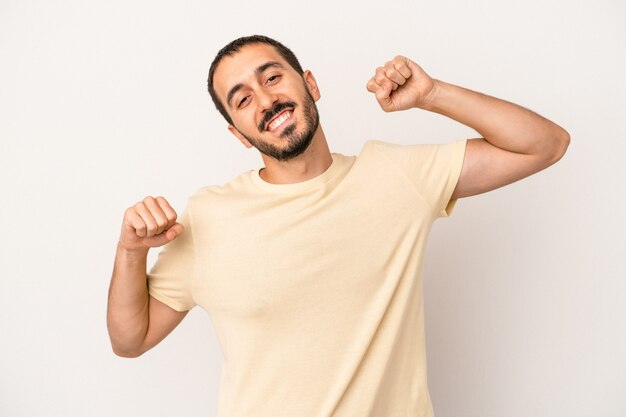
(279, 120)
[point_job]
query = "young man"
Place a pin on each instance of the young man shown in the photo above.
(311, 267)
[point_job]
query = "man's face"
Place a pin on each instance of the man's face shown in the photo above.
(272, 106)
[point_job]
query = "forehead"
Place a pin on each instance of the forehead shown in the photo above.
(240, 67)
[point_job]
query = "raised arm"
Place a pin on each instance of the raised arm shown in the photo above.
(516, 142)
(137, 321)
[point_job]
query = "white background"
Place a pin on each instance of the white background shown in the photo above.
(102, 103)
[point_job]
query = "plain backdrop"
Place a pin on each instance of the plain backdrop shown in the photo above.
(103, 103)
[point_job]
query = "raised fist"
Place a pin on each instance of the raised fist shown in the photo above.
(401, 84)
(148, 224)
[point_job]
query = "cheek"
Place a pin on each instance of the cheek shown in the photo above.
(245, 118)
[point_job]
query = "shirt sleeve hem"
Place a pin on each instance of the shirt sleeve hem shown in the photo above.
(180, 307)
(453, 179)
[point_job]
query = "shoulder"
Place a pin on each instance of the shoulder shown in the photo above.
(214, 191)
(417, 150)
(399, 153)
(213, 199)
(375, 147)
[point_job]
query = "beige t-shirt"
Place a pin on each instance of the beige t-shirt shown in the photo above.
(315, 288)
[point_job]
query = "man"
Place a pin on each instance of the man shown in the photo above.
(311, 266)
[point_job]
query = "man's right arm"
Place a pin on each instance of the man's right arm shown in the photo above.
(137, 321)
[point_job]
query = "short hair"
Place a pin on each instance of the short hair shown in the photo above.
(235, 46)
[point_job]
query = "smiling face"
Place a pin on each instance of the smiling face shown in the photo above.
(271, 105)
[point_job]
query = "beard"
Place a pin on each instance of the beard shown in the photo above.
(297, 143)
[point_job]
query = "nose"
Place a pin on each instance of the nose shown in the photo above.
(266, 100)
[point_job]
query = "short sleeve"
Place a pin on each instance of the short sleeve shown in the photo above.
(434, 170)
(169, 280)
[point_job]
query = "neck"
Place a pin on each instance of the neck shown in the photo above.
(314, 161)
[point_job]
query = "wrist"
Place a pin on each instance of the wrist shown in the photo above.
(431, 98)
(132, 253)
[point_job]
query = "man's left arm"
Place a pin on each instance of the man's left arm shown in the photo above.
(515, 143)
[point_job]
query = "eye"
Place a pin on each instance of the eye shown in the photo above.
(242, 101)
(272, 79)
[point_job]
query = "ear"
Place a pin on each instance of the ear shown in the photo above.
(311, 84)
(232, 129)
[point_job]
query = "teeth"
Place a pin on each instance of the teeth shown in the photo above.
(279, 120)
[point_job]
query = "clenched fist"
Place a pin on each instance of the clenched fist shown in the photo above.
(148, 224)
(401, 84)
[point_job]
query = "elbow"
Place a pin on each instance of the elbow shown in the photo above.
(561, 143)
(565, 140)
(126, 351)
(126, 343)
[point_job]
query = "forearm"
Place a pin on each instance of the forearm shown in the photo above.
(128, 305)
(503, 124)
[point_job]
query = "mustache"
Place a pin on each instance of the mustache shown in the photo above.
(273, 112)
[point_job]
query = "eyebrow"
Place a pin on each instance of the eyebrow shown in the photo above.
(260, 69)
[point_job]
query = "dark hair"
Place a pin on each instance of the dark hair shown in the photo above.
(234, 47)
